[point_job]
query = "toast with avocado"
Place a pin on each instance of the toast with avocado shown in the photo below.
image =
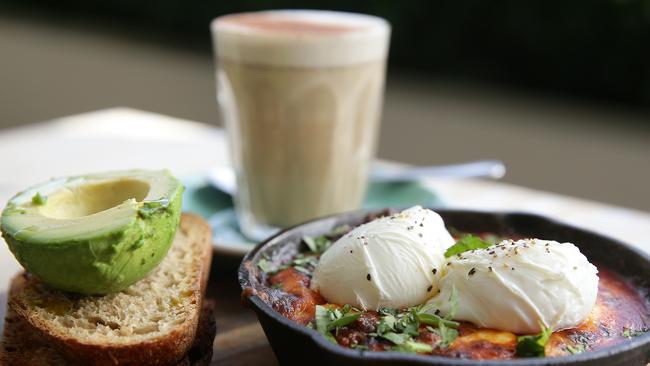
(94, 234)
(152, 322)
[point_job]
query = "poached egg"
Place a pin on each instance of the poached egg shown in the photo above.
(516, 285)
(394, 261)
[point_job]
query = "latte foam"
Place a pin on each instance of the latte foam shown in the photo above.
(301, 38)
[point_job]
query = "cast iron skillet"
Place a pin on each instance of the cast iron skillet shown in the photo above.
(294, 343)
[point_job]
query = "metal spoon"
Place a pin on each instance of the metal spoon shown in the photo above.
(494, 169)
(223, 178)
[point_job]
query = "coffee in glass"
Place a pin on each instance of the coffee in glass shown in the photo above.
(300, 93)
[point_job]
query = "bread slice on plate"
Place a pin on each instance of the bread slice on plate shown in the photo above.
(152, 322)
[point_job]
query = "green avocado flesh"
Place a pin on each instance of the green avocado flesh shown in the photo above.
(94, 234)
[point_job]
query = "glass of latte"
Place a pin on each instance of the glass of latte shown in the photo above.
(300, 92)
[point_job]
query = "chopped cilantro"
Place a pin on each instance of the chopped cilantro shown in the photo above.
(317, 245)
(397, 338)
(631, 333)
(343, 321)
(388, 311)
(578, 348)
(534, 345)
(398, 327)
(322, 319)
(447, 335)
(433, 319)
(405, 343)
(302, 263)
(466, 243)
(302, 269)
(386, 324)
(409, 323)
(38, 199)
(264, 265)
(424, 315)
(413, 347)
(302, 260)
(328, 320)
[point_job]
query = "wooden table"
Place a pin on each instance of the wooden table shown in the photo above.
(240, 339)
(124, 138)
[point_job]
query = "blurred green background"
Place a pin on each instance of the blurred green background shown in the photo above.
(596, 49)
(558, 90)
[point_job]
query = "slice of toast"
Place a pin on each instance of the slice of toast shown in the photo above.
(152, 322)
(21, 345)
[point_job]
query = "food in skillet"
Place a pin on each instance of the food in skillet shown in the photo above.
(399, 283)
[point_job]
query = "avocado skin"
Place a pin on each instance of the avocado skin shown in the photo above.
(107, 263)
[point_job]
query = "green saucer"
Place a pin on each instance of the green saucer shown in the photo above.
(216, 206)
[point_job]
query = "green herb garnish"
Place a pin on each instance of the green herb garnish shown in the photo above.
(630, 333)
(397, 338)
(447, 335)
(317, 245)
(466, 243)
(574, 350)
(301, 263)
(264, 265)
(409, 323)
(386, 324)
(38, 199)
(343, 321)
(302, 269)
(323, 318)
(398, 327)
(534, 345)
(413, 347)
(404, 343)
(435, 320)
(305, 261)
(328, 320)
(387, 311)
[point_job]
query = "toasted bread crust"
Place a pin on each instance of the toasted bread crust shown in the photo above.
(168, 349)
(22, 346)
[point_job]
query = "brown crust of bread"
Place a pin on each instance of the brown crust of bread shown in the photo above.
(22, 346)
(201, 352)
(167, 350)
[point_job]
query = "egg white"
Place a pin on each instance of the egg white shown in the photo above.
(518, 285)
(394, 261)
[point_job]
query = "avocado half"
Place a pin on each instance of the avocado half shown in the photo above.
(94, 234)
